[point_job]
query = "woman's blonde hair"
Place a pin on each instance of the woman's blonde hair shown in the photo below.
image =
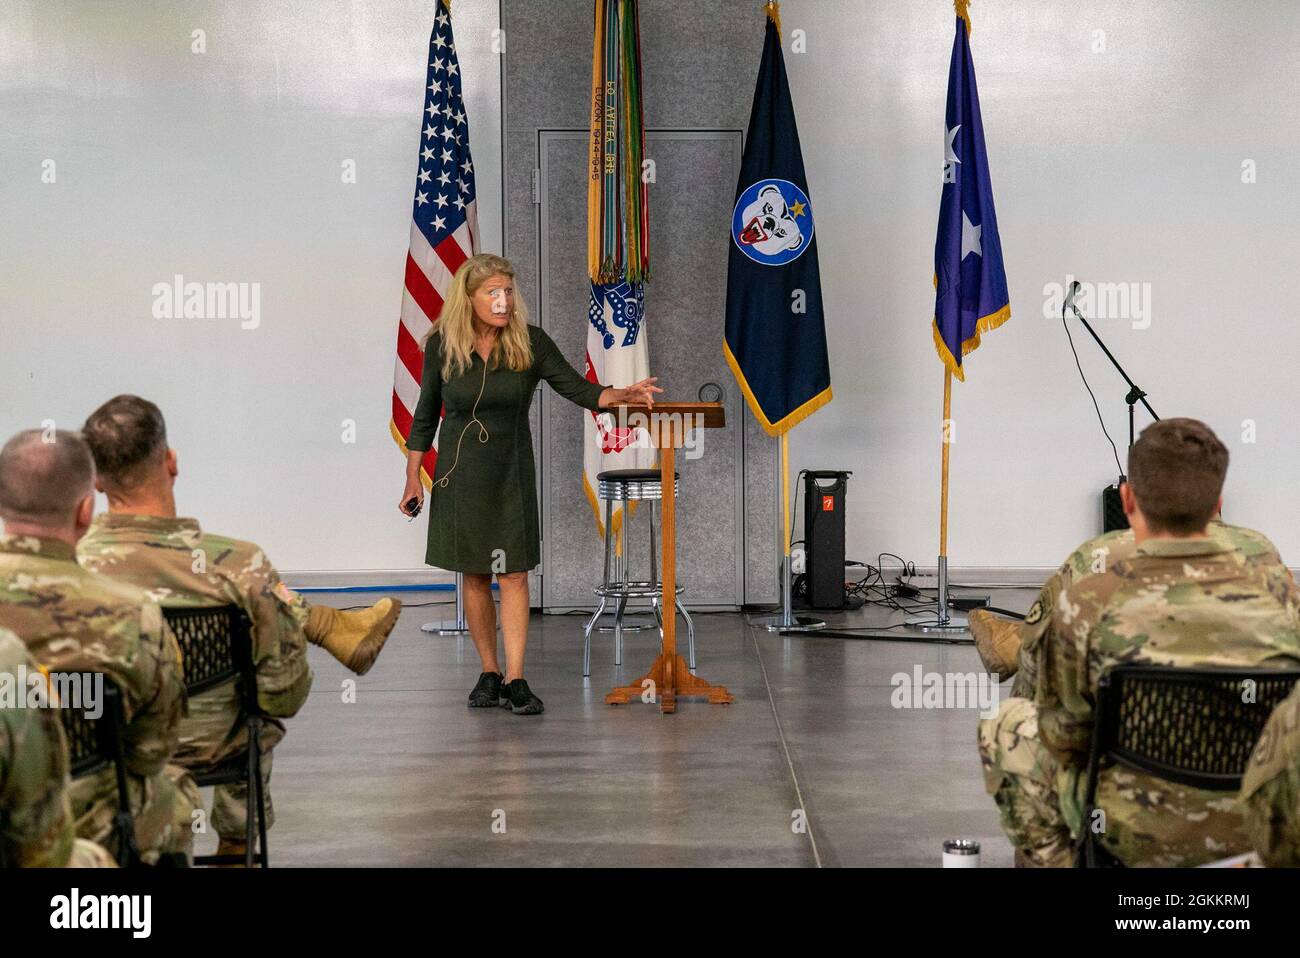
(456, 321)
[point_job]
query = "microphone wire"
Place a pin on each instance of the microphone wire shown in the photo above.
(1114, 452)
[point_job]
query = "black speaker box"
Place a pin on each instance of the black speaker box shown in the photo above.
(1112, 510)
(823, 534)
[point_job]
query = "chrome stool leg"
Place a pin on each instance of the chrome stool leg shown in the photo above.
(618, 630)
(586, 638)
(600, 609)
(654, 574)
(690, 634)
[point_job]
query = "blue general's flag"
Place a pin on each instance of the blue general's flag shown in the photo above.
(970, 282)
(775, 340)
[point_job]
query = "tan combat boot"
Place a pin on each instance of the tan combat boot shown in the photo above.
(354, 638)
(997, 641)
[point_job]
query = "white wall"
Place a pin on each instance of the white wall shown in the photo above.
(1122, 165)
(1117, 166)
(227, 166)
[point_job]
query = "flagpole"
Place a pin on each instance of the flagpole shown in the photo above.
(942, 620)
(786, 621)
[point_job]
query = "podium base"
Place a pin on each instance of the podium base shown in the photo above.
(669, 679)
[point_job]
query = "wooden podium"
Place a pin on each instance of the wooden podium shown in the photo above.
(668, 424)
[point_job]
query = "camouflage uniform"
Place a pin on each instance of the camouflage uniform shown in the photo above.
(1270, 792)
(182, 567)
(1095, 556)
(36, 825)
(74, 621)
(1177, 602)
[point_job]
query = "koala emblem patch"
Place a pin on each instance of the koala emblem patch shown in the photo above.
(772, 223)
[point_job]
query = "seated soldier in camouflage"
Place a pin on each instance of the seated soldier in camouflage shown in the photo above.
(1183, 598)
(1006, 647)
(1270, 791)
(72, 620)
(142, 541)
(36, 825)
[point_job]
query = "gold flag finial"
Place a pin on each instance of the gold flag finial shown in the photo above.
(773, 11)
(960, 6)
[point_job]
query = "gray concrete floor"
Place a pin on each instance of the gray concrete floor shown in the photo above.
(405, 774)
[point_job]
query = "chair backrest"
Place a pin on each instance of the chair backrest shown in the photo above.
(216, 646)
(93, 744)
(1194, 726)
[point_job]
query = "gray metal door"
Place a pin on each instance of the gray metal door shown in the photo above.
(690, 209)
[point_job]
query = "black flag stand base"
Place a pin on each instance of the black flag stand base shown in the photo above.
(457, 626)
(943, 621)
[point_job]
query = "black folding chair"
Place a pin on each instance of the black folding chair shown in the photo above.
(1193, 726)
(217, 647)
(93, 745)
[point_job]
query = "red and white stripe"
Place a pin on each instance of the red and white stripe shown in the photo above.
(429, 271)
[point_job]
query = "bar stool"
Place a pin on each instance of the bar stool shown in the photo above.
(631, 485)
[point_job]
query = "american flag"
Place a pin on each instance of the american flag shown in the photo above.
(444, 223)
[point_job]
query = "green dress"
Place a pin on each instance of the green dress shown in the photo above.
(483, 519)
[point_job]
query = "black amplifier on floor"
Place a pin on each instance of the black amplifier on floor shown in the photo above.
(823, 534)
(1112, 509)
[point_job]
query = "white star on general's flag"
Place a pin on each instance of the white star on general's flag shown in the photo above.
(950, 155)
(970, 237)
(421, 199)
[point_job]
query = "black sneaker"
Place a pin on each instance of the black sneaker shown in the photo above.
(487, 691)
(519, 698)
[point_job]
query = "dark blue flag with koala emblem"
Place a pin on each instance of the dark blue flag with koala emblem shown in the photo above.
(775, 339)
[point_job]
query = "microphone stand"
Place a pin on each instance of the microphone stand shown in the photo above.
(1135, 392)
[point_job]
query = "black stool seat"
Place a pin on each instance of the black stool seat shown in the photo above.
(631, 475)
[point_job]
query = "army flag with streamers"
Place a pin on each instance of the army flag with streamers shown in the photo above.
(970, 283)
(618, 247)
(775, 337)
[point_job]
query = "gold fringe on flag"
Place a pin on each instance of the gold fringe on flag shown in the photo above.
(961, 7)
(773, 11)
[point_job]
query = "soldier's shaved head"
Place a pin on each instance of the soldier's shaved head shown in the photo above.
(128, 438)
(44, 478)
